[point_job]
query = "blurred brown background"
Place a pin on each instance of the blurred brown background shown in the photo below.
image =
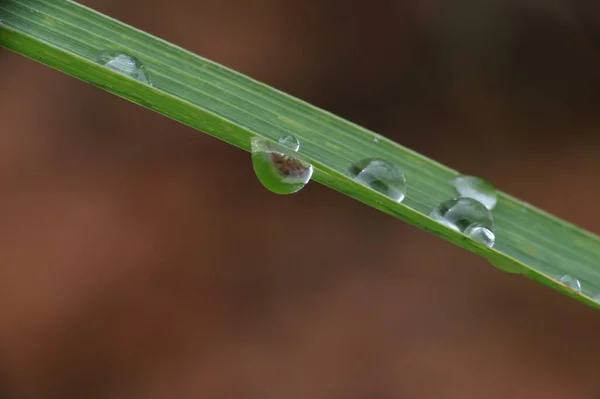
(142, 259)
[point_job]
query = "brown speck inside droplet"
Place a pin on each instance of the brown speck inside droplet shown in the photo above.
(287, 165)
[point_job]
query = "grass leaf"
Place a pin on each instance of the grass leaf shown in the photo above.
(234, 108)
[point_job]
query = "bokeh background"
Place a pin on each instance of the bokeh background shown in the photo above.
(141, 259)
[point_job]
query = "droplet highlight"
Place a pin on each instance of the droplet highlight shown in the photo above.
(278, 168)
(571, 282)
(381, 176)
(125, 64)
(290, 142)
(478, 189)
(467, 216)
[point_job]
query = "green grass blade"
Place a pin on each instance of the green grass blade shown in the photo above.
(234, 108)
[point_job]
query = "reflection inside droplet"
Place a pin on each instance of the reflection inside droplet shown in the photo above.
(278, 168)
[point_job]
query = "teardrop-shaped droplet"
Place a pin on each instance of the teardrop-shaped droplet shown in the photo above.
(478, 189)
(571, 282)
(380, 175)
(468, 216)
(125, 64)
(290, 142)
(278, 168)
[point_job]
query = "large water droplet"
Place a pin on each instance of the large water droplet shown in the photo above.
(571, 282)
(468, 216)
(125, 64)
(478, 189)
(380, 175)
(278, 168)
(290, 142)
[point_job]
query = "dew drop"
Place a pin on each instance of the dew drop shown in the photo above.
(278, 168)
(481, 234)
(290, 142)
(381, 176)
(571, 282)
(476, 188)
(467, 216)
(506, 266)
(125, 64)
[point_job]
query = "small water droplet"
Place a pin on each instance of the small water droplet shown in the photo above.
(290, 142)
(278, 168)
(381, 176)
(481, 234)
(506, 266)
(571, 282)
(467, 216)
(125, 64)
(376, 139)
(476, 188)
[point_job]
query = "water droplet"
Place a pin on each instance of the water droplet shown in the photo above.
(481, 234)
(476, 188)
(125, 64)
(278, 168)
(571, 282)
(467, 216)
(381, 176)
(376, 139)
(290, 142)
(506, 266)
